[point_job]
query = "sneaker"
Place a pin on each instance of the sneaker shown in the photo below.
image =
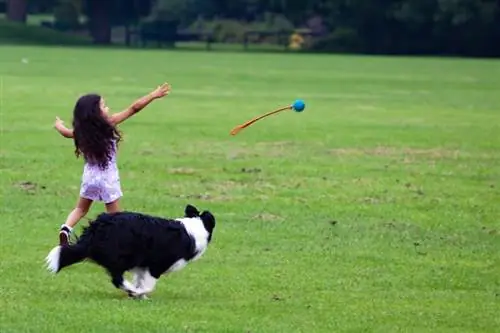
(63, 237)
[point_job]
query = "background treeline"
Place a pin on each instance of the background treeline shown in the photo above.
(446, 27)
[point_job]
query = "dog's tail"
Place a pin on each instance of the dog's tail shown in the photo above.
(63, 256)
(66, 255)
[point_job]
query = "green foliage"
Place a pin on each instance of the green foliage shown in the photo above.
(228, 31)
(342, 40)
(17, 33)
(233, 31)
(40, 6)
(464, 27)
(273, 22)
(67, 15)
(182, 11)
(461, 27)
(164, 30)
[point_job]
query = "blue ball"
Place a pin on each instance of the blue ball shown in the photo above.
(299, 105)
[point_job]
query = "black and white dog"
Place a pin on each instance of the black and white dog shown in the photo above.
(146, 245)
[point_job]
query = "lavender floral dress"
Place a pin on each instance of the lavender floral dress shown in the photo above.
(101, 185)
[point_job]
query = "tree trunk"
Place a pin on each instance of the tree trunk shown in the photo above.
(99, 12)
(17, 10)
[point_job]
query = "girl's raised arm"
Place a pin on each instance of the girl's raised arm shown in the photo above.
(140, 104)
(59, 126)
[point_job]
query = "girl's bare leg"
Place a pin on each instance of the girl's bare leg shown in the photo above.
(81, 209)
(113, 207)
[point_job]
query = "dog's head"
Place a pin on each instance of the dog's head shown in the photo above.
(206, 217)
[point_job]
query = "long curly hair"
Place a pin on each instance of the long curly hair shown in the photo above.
(94, 136)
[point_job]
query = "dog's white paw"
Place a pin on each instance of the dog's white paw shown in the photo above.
(138, 296)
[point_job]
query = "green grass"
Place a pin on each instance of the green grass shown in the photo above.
(374, 210)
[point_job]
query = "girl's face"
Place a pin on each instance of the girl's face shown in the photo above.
(104, 108)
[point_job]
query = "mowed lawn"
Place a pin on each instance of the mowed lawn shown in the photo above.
(374, 210)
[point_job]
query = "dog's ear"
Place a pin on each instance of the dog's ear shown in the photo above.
(208, 220)
(191, 211)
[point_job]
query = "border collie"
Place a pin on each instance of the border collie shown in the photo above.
(148, 246)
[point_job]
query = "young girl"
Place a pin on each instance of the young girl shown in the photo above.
(96, 138)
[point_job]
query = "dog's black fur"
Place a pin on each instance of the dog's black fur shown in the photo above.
(128, 241)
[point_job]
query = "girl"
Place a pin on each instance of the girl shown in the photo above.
(96, 138)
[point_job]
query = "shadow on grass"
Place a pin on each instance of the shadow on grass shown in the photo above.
(112, 294)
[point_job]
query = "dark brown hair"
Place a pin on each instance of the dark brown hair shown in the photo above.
(93, 134)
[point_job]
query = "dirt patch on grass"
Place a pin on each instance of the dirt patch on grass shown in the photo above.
(224, 187)
(29, 187)
(269, 149)
(235, 188)
(146, 152)
(204, 197)
(181, 171)
(240, 153)
(275, 148)
(268, 217)
(279, 144)
(223, 190)
(399, 227)
(370, 200)
(491, 231)
(434, 153)
(251, 170)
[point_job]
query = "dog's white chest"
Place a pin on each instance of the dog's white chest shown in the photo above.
(200, 253)
(177, 266)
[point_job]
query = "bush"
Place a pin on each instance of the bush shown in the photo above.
(342, 40)
(233, 31)
(173, 10)
(229, 31)
(166, 29)
(225, 31)
(66, 16)
(272, 22)
(18, 33)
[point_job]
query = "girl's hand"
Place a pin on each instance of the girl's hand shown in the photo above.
(58, 123)
(59, 126)
(140, 104)
(161, 91)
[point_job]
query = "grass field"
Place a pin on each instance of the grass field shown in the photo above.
(375, 210)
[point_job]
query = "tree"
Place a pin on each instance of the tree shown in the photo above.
(17, 10)
(103, 14)
(99, 18)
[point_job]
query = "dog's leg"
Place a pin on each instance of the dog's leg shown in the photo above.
(138, 277)
(138, 281)
(120, 283)
(148, 284)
